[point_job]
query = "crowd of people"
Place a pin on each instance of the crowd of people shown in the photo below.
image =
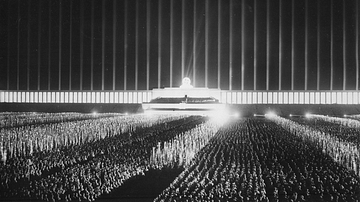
(85, 171)
(332, 141)
(25, 140)
(258, 160)
(179, 151)
(16, 119)
(254, 159)
(344, 129)
(348, 122)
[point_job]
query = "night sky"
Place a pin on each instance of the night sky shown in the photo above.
(146, 44)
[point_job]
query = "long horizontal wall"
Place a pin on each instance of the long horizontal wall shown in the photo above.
(130, 97)
(137, 97)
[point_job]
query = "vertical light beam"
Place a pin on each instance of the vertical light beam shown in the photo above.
(194, 44)
(18, 48)
(8, 49)
(344, 46)
(92, 47)
(148, 16)
(280, 45)
(70, 45)
(357, 45)
(268, 45)
(231, 44)
(292, 44)
(243, 45)
(136, 44)
(159, 42)
(60, 41)
(219, 45)
(171, 41)
(206, 42)
(318, 46)
(49, 49)
(255, 45)
(125, 41)
(28, 48)
(332, 46)
(103, 47)
(183, 38)
(114, 45)
(306, 42)
(39, 45)
(81, 43)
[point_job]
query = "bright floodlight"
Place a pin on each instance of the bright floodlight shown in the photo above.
(270, 114)
(307, 115)
(186, 83)
(94, 113)
(237, 115)
(290, 115)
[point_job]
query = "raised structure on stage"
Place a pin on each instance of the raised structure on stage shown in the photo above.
(186, 97)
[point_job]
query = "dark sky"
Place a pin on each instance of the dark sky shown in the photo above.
(226, 44)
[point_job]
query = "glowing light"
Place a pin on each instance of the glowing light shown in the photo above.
(220, 115)
(270, 114)
(345, 115)
(126, 113)
(236, 115)
(290, 115)
(94, 113)
(186, 83)
(308, 115)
